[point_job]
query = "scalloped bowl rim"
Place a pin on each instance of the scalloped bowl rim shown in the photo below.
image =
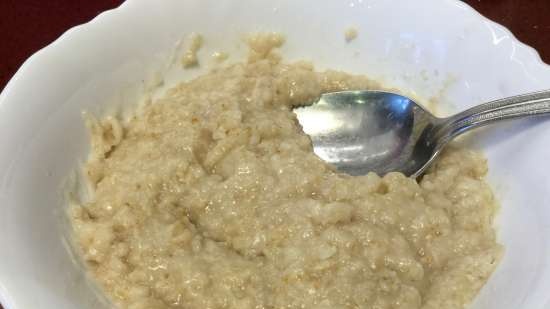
(530, 61)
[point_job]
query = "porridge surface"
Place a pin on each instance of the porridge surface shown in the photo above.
(212, 197)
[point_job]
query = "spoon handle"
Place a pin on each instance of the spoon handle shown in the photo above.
(532, 104)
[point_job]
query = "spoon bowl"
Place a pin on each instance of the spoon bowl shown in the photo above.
(376, 131)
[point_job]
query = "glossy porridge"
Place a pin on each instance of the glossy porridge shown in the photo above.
(211, 197)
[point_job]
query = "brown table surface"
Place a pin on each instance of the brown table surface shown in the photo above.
(28, 25)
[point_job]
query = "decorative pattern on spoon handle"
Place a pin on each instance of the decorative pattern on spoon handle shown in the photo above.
(533, 104)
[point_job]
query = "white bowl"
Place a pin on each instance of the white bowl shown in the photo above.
(431, 47)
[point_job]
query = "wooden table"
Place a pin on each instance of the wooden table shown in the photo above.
(28, 25)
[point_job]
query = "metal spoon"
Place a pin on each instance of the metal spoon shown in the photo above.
(375, 131)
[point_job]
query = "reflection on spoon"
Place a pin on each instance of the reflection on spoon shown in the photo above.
(376, 131)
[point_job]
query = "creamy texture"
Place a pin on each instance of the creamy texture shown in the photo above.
(350, 34)
(220, 56)
(212, 197)
(190, 58)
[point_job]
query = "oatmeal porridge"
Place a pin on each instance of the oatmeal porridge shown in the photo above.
(211, 197)
(350, 34)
